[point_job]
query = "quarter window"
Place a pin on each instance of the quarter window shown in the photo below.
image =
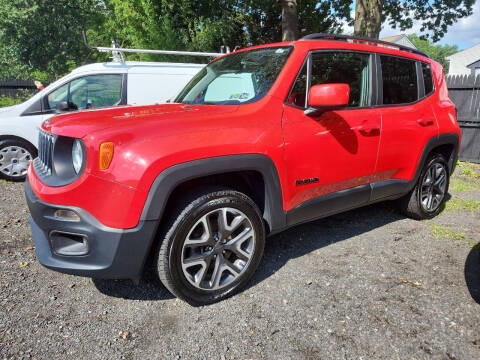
(336, 67)
(399, 80)
(427, 78)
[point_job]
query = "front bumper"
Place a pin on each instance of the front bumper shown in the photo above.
(110, 253)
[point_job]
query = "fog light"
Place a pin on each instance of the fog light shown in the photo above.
(68, 244)
(68, 215)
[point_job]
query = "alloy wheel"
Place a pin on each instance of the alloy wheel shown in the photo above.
(433, 187)
(218, 249)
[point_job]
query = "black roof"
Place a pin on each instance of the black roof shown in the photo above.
(339, 37)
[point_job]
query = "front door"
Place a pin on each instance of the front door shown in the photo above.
(334, 152)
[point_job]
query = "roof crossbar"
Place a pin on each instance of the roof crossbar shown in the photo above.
(369, 41)
(116, 50)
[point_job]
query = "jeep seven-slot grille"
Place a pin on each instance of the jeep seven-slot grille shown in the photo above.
(45, 152)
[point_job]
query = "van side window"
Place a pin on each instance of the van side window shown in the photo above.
(427, 78)
(399, 80)
(58, 95)
(336, 67)
(89, 92)
(96, 91)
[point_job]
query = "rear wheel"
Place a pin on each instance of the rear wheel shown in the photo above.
(427, 197)
(212, 247)
(15, 156)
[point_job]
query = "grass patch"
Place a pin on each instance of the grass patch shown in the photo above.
(439, 231)
(474, 245)
(456, 204)
(463, 185)
(469, 170)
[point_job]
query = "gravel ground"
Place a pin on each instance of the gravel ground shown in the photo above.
(367, 284)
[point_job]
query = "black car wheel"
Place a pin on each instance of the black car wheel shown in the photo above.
(211, 247)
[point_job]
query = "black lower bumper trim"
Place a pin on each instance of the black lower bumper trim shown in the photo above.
(112, 253)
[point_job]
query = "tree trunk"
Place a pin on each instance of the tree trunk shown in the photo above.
(289, 20)
(368, 19)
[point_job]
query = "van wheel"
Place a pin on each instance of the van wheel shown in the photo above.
(211, 247)
(429, 194)
(15, 156)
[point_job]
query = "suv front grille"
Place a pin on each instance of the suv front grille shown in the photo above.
(44, 162)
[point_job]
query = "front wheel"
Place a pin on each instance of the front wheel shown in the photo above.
(212, 247)
(15, 156)
(429, 194)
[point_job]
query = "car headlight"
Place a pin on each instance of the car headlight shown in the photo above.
(77, 156)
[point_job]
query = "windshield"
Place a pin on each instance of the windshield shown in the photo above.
(240, 78)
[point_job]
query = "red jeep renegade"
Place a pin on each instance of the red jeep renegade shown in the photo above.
(260, 140)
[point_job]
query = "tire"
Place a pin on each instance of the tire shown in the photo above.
(189, 252)
(416, 203)
(15, 155)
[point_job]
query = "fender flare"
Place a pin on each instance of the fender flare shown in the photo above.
(438, 140)
(170, 178)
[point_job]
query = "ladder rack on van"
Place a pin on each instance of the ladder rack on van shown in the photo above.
(118, 52)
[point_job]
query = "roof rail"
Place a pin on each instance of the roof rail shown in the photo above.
(118, 56)
(369, 41)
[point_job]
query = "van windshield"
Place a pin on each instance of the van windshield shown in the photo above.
(240, 78)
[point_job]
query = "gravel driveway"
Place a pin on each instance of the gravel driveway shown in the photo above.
(365, 284)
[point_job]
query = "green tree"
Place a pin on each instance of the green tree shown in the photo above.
(45, 35)
(434, 15)
(437, 52)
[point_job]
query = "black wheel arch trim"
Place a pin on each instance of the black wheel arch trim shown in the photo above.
(172, 177)
(434, 142)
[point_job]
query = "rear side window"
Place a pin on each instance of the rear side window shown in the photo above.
(399, 80)
(336, 67)
(427, 78)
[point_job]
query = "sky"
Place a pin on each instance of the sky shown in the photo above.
(464, 33)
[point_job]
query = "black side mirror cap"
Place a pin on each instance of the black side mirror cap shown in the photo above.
(64, 106)
(317, 111)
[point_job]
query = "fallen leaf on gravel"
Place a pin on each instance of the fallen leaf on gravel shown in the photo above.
(414, 283)
(124, 334)
(23, 264)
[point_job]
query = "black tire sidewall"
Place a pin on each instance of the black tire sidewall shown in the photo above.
(209, 203)
(20, 143)
(435, 159)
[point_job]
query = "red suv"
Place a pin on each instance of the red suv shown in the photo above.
(260, 140)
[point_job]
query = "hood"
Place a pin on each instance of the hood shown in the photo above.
(8, 109)
(81, 123)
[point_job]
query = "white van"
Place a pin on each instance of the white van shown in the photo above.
(87, 87)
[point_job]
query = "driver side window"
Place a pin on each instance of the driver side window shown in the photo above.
(335, 67)
(89, 92)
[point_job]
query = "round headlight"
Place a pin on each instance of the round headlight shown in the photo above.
(77, 156)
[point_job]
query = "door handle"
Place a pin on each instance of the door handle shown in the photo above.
(369, 130)
(425, 122)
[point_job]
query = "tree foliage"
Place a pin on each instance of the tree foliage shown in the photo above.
(45, 35)
(435, 16)
(438, 53)
(41, 39)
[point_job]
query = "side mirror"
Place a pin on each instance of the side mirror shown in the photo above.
(326, 97)
(64, 106)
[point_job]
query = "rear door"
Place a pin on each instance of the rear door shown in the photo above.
(335, 150)
(408, 121)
